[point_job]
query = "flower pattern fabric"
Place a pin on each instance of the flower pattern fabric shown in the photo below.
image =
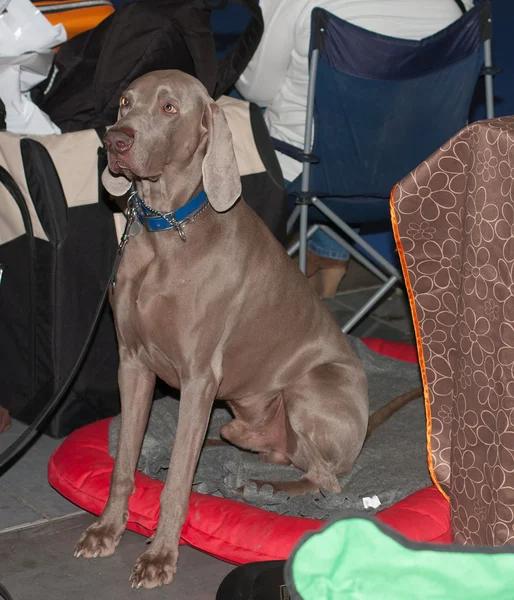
(454, 224)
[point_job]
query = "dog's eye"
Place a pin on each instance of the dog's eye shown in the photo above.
(169, 108)
(124, 102)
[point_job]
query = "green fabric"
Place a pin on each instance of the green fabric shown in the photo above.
(360, 559)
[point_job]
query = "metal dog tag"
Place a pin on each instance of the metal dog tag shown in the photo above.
(131, 219)
(135, 228)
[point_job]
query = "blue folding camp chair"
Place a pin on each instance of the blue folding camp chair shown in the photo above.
(379, 106)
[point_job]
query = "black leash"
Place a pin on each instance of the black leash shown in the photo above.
(4, 593)
(460, 4)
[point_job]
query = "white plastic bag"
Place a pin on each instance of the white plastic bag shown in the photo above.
(26, 39)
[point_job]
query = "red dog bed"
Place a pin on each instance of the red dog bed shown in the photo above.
(80, 469)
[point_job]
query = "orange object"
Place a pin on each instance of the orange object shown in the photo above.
(76, 15)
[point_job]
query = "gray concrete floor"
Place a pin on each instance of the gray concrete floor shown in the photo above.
(38, 563)
(38, 528)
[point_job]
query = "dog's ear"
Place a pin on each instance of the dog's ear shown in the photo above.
(221, 180)
(115, 185)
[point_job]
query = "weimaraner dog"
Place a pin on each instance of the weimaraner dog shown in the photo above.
(224, 313)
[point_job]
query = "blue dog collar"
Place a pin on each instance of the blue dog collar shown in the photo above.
(153, 220)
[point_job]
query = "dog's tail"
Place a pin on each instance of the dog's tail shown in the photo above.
(382, 414)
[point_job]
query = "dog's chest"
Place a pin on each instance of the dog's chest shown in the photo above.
(157, 308)
(146, 314)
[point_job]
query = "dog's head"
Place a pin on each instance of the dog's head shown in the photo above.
(165, 119)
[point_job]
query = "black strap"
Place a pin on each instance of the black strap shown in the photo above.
(12, 187)
(4, 593)
(45, 189)
(237, 58)
(460, 4)
(3, 116)
(100, 132)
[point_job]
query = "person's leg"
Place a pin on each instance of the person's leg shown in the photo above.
(323, 245)
(327, 263)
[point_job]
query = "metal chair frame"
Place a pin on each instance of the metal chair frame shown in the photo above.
(387, 272)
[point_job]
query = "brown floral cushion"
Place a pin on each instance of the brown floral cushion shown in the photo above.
(453, 218)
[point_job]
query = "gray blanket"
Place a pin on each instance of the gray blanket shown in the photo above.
(391, 466)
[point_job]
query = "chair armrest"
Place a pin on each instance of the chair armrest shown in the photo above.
(294, 152)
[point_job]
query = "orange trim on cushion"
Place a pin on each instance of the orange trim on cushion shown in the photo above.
(419, 344)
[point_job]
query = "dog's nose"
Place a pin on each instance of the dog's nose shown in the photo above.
(119, 140)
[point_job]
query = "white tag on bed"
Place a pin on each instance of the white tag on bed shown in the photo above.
(372, 502)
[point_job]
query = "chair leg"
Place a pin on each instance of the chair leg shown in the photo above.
(363, 311)
(488, 80)
(292, 219)
(293, 248)
(304, 208)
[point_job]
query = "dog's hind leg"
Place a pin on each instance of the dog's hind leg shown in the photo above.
(326, 419)
(326, 414)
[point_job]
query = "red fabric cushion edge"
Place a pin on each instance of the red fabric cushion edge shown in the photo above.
(80, 469)
(398, 350)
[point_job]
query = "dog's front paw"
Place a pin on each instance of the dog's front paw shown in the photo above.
(99, 539)
(153, 569)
